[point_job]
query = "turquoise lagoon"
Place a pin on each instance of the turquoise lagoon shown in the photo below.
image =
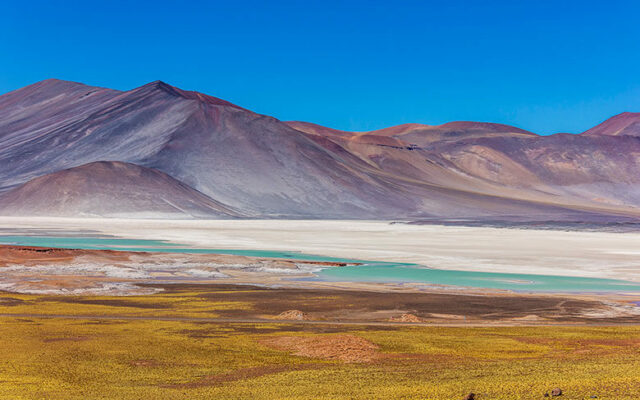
(368, 271)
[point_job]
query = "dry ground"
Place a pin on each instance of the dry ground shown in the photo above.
(187, 343)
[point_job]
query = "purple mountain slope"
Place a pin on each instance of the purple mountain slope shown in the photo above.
(110, 189)
(245, 160)
(259, 166)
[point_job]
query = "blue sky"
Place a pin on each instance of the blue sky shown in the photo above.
(545, 66)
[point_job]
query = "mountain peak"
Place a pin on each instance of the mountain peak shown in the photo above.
(483, 126)
(49, 89)
(158, 82)
(623, 124)
(162, 86)
(399, 129)
(50, 81)
(59, 84)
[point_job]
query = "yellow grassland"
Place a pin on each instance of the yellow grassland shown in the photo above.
(147, 359)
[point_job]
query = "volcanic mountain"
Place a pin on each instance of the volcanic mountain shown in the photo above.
(173, 152)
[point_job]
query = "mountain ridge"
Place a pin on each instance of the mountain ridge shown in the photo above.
(260, 166)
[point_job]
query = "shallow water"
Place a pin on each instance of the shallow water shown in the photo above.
(382, 272)
(369, 271)
(161, 246)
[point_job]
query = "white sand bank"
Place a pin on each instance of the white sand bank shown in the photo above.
(592, 254)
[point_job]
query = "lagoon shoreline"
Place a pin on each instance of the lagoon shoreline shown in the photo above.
(481, 249)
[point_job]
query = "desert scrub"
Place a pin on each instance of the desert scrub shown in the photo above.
(160, 304)
(132, 359)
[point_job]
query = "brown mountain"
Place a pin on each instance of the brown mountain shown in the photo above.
(626, 123)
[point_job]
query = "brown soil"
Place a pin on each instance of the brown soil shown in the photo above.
(28, 254)
(359, 305)
(293, 315)
(124, 302)
(10, 301)
(67, 339)
(344, 306)
(346, 348)
(406, 318)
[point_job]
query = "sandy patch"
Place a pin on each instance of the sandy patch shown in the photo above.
(406, 318)
(293, 315)
(346, 348)
(448, 316)
(530, 318)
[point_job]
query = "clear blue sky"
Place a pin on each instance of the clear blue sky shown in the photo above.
(545, 66)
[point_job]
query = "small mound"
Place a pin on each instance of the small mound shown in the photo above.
(346, 348)
(293, 315)
(406, 318)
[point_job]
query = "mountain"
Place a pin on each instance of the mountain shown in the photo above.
(247, 161)
(110, 189)
(223, 160)
(578, 171)
(626, 123)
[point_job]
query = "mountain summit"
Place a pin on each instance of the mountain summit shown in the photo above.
(627, 123)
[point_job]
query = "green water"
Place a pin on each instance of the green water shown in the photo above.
(94, 243)
(160, 246)
(369, 271)
(383, 272)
